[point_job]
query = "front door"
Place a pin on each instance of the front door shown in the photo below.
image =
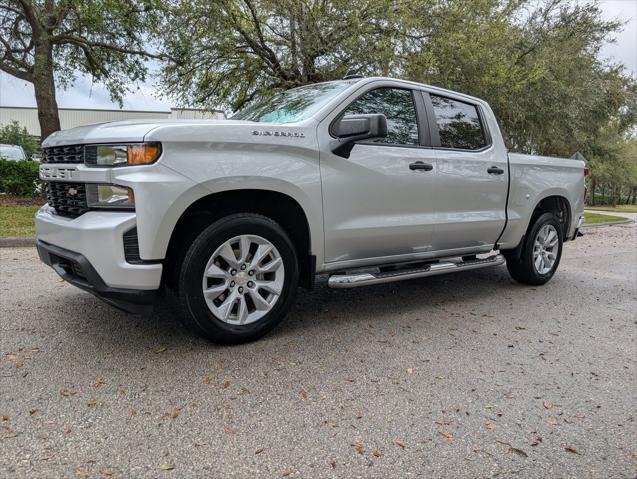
(379, 203)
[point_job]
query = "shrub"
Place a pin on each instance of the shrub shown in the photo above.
(20, 178)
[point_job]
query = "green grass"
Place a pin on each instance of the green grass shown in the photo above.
(17, 220)
(593, 218)
(617, 209)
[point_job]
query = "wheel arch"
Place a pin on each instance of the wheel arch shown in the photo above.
(280, 207)
(550, 202)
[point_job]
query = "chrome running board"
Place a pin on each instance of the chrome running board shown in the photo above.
(353, 280)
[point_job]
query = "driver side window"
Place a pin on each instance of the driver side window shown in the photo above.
(398, 106)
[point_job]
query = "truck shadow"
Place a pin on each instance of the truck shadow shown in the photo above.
(319, 315)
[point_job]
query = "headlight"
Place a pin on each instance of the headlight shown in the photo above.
(121, 155)
(109, 196)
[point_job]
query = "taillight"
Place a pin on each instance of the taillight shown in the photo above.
(586, 172)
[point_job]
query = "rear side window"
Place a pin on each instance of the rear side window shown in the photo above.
(459, 124)
(398, 106)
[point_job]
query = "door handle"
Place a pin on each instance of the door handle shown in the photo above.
(420, 165)
(494, 170)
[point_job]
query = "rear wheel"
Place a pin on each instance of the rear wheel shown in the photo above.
(238, 279)
(541, 253)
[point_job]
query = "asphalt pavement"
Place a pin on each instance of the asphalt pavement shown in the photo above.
(459, 376)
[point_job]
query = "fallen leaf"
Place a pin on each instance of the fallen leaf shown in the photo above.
(447, 435)
(226, 385)
(227, 405)
(158, 350)
(359, 415)
(67, 392)
(410, 370)
(259, 450)
(82, 472)
(550, 405)
(359, 447)
(92, 402)
(517, 451)
(490, 406)
(287, 471)
(376, 453)
(175, 414)
(333, 464)
(399, 442)
(11, 357)
(208, 379)
(228, 430)
(303, 394)
(106, 472)
(166, 467)
(552, 422)
(490, 425)
(5, 418)
(571, 449)
(443, 422)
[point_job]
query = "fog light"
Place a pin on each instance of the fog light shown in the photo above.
(109, 196)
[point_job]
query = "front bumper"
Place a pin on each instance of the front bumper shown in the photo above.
(75, 269)
(98, 237)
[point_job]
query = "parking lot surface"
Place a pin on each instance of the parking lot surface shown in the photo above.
(469, 375)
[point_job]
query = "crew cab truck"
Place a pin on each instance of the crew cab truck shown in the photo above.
(368, 180)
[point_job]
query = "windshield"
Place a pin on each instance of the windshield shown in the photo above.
(292, 105)
(11, 153)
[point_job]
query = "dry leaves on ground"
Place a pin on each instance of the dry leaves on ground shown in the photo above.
(358, 447)
(399, 442)
(570, 449)
(447, 435)
(517, 451)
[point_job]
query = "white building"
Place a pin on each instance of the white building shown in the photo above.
(72, 117)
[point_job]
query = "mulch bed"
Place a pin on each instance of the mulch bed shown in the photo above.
(8, 200)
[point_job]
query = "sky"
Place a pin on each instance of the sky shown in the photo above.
(86, 94)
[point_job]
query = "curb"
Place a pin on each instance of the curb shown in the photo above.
(17, 241)
(595, 225)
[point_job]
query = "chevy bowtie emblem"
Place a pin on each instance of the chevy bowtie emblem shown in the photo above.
(72, 191)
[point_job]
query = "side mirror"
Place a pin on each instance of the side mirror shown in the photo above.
(352, 128)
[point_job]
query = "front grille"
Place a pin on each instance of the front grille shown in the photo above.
(68, 199)
(63, 154)
(131, 247)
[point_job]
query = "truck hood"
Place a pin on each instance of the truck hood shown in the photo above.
(125, 131)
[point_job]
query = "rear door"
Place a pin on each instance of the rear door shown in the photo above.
(378, 204)
(472, 180)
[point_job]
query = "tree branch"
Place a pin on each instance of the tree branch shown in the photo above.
(5, 67)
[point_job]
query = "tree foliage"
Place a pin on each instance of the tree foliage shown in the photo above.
(14, 134)
(49, 42)
(537, 63)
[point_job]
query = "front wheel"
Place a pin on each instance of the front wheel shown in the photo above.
(541, 252)
(238, 279)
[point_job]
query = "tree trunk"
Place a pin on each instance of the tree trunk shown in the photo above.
(44, 86)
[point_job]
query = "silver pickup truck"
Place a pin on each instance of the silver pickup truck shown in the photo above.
(369, 180)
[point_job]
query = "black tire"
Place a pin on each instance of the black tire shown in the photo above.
(523, 270)
(196, 314)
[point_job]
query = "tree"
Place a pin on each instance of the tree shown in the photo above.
(232, 51)
(45, 42)
(535, 62)
(14, 134)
